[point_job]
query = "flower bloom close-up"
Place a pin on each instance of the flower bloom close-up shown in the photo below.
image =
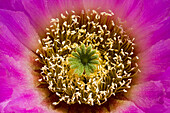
(84, 56)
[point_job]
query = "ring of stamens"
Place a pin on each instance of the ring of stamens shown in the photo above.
(116, 62)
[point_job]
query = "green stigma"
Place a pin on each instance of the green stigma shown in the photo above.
(84, 60)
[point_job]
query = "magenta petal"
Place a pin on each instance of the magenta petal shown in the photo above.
(6, 91)
(20, 26)
(95, 4)
(23, 104)
(11, 73)
(39, 13)
(158, 10)
(1, 108)
(27, 102)
(14, 58)
(5, 4)
(16, 78)
(123, 106)
(162, 33)
(10, 45)
(154, 61)
(148, 96)
(57, 6)
(167, 105)
(54, 7)
(16, 71)
(152, 33)
(148, 21)
(166, 85)
(71, 4)
(162, 76)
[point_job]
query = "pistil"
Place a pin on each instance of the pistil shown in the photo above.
(84, 60)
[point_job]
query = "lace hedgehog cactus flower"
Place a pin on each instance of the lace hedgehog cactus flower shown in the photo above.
(84, 56)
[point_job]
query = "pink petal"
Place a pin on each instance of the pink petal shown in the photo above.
(166, 84)
(41, 12)
(6, 91)
(147, 21)
(10, 45)
(5, 4)
(167, 105)
(16, 71)
(27, 102)
(15, 59)
(145, 18)
(95, 4)
(56, 7)
(154, 61)
(147, 96)
(38, 13)
(20, 27)
(17, 80)
(124, 106)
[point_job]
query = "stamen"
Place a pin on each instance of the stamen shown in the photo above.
(94, 47)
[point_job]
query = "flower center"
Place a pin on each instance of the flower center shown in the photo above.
(86, 57)
(83, 60)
